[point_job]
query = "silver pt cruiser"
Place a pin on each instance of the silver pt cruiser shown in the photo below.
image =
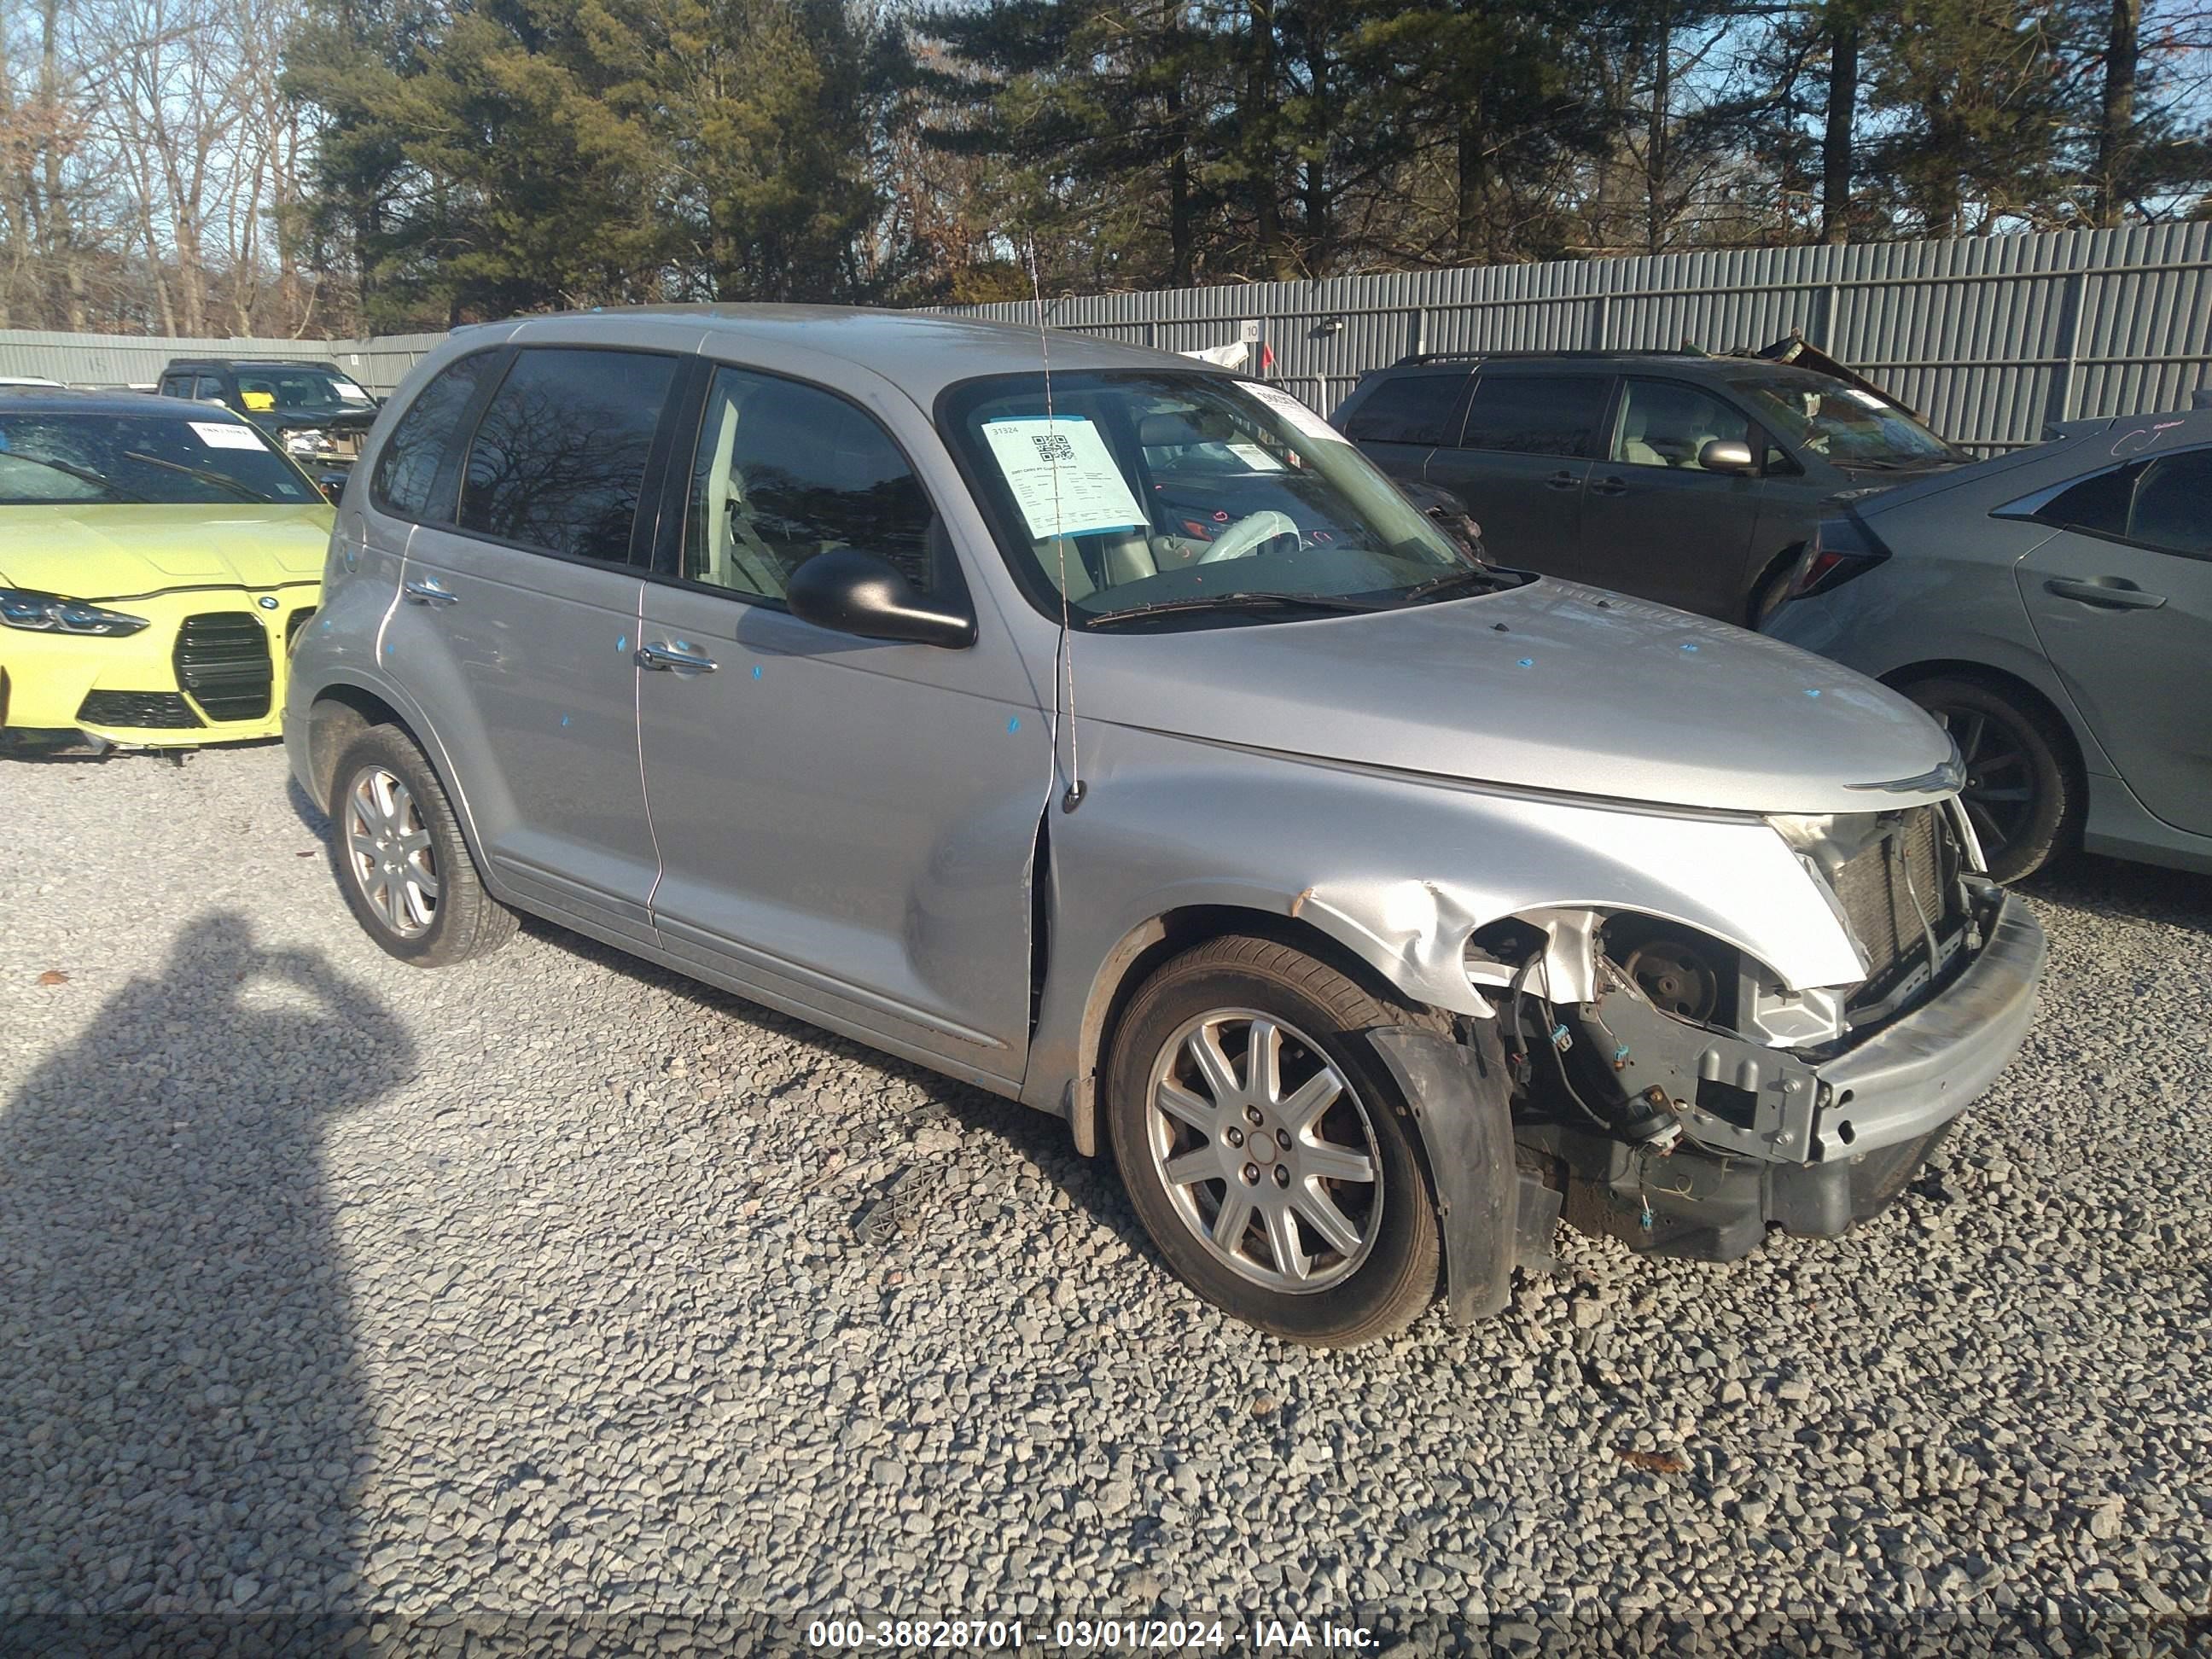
(1100, 728)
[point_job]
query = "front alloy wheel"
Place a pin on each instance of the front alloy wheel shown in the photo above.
(1265, 1150)
(1267, 1147)
(388, 850)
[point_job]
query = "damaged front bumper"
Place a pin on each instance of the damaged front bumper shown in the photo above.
(1774, 1139)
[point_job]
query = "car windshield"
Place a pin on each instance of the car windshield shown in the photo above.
(1176, 493)
(48, 458)
(1845, 424)
(324, 390)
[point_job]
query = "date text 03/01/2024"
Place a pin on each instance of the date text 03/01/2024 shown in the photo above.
(1084, 1635)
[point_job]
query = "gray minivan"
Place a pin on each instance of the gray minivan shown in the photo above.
(1106, 732)
(1682, 477)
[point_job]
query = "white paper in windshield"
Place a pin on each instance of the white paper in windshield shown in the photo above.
(1256, 458)
(349, 393)
(220, 434)
(1063, 474)
(1295, 412)
(1859, 395)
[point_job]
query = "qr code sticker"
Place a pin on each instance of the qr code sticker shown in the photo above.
(1054, 448)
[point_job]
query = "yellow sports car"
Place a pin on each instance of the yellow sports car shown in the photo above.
(156, 559)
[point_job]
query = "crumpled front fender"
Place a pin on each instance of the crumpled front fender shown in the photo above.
(1395, 870)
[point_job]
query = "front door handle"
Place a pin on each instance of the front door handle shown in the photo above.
(1562, 481)
(2106, 592)
(1609, 486)
(428, 590)
(674, 657)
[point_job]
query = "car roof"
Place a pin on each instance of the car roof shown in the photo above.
(250, 362)
(1597, 361)
(920, 352)
(53, 400)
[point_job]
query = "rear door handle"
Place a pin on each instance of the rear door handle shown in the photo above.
(427, 590)
(1562, 481)
(1609, 486)
(2106, 592)
(674, 657)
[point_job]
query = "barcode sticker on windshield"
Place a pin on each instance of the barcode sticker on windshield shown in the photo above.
(220, 434)
(1063, 476)
(1295, 412)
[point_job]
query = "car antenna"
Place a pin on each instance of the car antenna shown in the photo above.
(1063, 667)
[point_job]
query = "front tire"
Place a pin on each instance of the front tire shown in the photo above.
(1267, 1149)
(401, 861)
(2023, 794)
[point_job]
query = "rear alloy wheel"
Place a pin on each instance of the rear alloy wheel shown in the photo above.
(2021, 792)
(402, 862)
(388, 850)
(1266, 1147)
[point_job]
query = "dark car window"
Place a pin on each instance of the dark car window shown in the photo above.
(1406, 408)
(2173, 503)
(1665, 423)
(558, 460)
(208, 389)
(2098, 505)
(176, 386)
(785, 471)
(1537, 414)
(408, 467)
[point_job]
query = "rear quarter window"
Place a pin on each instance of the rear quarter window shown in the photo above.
(407, 468)
(1406, 408)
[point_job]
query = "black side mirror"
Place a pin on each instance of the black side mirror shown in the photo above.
(862, 594)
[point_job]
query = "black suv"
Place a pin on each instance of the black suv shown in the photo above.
(1679, 476)
(317, 412)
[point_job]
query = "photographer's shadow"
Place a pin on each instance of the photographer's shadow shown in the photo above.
(180, 1410)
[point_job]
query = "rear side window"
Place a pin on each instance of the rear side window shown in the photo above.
(1406, 408)
(408, 467)
(558, 460)
(2164, 502)
(785, 471)
(2173, 504)
(1537, 414)
(176, 386)
(2098, 505)
(208, 389)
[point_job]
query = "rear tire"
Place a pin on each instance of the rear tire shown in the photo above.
(2024, 792)
(1296, 1202)
(401, 859)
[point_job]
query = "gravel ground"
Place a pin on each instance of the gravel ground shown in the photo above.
(547, 1286)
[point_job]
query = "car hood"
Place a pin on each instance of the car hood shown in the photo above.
(1549, 686)
(117, 552)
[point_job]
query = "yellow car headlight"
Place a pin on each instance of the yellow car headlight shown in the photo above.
(50, 613)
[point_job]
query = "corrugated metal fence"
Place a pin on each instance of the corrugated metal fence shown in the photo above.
(123, 360)
(1990, 337)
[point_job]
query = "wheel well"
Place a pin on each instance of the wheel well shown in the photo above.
(336, 714)
(1133, 961)
(1996, 679)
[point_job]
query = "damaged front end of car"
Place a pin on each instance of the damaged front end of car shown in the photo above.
(1682, 1096)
